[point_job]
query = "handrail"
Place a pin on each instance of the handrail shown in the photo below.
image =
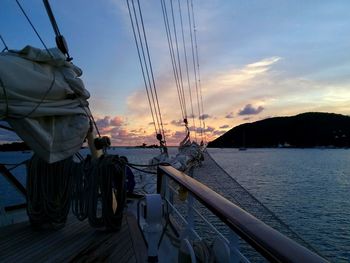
(270, 243)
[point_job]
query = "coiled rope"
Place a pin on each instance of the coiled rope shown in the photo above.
(48, 191)
(80, 188)
(99, 191)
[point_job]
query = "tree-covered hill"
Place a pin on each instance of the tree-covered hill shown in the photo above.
(312, 129)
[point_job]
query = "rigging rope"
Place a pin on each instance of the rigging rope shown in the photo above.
(150, 63)
(5, 127)
(187, 71)
(14, 165)
(60, 41)
(99, 191)
(33, 27)
(107, 183)
(142, 67)
(146, 67)
(194, 68)
(178, 59)
(4, 43)
(173, 60)
(198, 70)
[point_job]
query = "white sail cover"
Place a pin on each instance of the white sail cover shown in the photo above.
(44, 100)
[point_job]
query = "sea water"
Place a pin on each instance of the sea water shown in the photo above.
(309, 189)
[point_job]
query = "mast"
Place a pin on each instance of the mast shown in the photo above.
(60, 40)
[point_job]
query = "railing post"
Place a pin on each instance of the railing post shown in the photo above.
(234, 247)
(159, 179)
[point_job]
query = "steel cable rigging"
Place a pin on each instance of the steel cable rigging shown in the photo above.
(198, 71)
(174, 63)
(33, 27)
(200, 113)
(171, 32)
(140, 38)
(187, 71)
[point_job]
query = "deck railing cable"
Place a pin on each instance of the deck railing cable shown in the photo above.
(270, 243)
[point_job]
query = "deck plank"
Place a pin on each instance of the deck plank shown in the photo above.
(76, 242)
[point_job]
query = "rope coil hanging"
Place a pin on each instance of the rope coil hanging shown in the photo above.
(48, 191)
(99, 191)
(107, 185)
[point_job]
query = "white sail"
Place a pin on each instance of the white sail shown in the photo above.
(44, 100)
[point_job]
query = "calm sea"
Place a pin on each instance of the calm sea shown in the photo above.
(309, 189)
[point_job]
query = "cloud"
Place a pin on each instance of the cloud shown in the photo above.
(204, 116)
(116, 121)
(177, 122)
(218, 133)
(224, 126)
(103, 123)
(229, 115)
(250, 110)
(209, 129)
(108, 121)
(263, 65)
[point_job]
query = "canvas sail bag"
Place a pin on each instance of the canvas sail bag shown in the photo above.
(44, 100)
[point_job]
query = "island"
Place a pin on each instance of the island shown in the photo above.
(305, 130)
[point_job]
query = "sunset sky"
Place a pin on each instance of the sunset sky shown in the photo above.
(258, 59)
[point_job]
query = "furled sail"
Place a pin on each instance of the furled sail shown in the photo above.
(44, 100)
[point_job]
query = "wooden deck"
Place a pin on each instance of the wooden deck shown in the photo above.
(76, 242)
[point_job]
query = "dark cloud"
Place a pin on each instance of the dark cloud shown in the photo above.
(107, 121)
(224, 126)
(209, 129)
(229, 115)
(103, 123)
(204, 116)
(250, 110)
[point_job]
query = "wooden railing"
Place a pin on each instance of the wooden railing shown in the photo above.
(270, 243)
